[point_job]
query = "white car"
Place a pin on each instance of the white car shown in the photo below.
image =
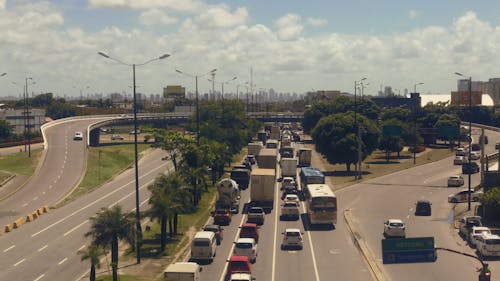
(292, 238)
(476, 232)
(488, 245)
(455, 181)
(459, 160)
(292, 198)
(394, 228)
(460, 151)
(462, 196)
(78, 136)
(475, 155)
(246, 247)
(290, 210)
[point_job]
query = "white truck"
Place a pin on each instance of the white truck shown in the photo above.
(182, 271)
(262, 188)
(228, 196)
(304, 155)
(267, 158)
(288, 167)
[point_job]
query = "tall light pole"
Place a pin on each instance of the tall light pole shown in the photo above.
(358, 128)
(237, 89)
(469, 139)
(27, 115)
(136, 154)
(414, 107)
(197, 100)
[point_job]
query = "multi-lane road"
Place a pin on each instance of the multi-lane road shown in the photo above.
(46, 249)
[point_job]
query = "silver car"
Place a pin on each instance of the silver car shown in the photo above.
(246, 247)
(394, 228)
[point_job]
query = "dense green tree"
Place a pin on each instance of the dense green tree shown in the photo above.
(398, 113)
(92, 253)
(174, 143)
(60, 109)
(491, 202)
(335, 137)
(108, 227)
(42, 100)
(5, 130)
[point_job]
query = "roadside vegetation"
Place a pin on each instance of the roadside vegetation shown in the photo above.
(20, 163)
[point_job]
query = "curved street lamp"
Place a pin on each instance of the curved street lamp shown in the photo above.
(358, 169)
(137, 214)
(212, 72)
(415, 86)
(415, 124)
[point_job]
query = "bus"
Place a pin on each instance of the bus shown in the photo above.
(310, 175)
(321, 204)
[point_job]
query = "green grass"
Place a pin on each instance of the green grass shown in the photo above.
(104, 163)
(4, 176)
(20, 163)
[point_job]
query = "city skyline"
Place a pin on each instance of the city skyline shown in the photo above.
(292, 48)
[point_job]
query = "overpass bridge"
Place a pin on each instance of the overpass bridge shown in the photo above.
(178, 118)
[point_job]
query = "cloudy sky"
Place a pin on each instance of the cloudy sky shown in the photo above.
(291, 45)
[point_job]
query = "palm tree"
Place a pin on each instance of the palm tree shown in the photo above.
(92, 253)
(108, 227)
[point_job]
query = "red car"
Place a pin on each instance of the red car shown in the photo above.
(238, 264)
(250, 230)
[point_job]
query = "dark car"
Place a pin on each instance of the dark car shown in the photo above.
(470, 168)
(423, 208)
(217, 229)
(222, 217)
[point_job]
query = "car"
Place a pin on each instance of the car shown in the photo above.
(237, 265)
(475, 155)
(423, 208)
(460, 152)
(466, 223)
(256, 215)
(291, 198)
(459, 160)
(476, 232)
(394, 228)
(456, 181)
(251, 159)
(250, 230)
(132, 132)
(217, 229)
(470, 168)
(78, 136)
(462, 196)
(116, 137)
(222, 217)
(488, 245)
(246, 247)
(290, 210)
(292, 238)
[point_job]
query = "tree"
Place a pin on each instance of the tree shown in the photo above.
(108, 227)
(5, 130)
(335, 137)
(174, 143)
(491, 202)
(92, 253)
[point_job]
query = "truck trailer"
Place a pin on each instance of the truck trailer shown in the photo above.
(262, 188)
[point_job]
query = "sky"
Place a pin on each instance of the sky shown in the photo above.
(291, 46)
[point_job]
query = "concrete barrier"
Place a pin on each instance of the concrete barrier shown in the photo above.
(19, 222)
(35, 215)
(39, 211)
(45, 209)
(8, 228)
(29, 218)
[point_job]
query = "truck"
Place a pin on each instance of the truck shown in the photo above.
(275, 132)
(466, 223)
(262, 188)
(304, 155)
(241, 177)
(228, 196)
(286, 151)
(288, 167)
(262, 136)
(254, 148)
(267, 158)
(182, 271)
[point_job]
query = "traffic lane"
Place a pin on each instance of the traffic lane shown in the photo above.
(72, 220)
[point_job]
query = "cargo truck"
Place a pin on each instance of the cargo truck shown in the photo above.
(228, 197)
(267, 158)
(262, 188)
(182, 271)
(254, 148)
(304, 155)
(288, 167)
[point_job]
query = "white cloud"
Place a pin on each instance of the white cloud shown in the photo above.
(289, 27)
(184, 5)
(412, 14)
(222, 17)
(2, 4)
(317, 21)
(156, 16)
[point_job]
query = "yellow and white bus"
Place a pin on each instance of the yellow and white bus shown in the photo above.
(321, 204)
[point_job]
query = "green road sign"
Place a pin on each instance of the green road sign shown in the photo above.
(407, 244)
(449, 131)
(391, 130)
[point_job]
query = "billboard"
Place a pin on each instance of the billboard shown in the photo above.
(174, 91)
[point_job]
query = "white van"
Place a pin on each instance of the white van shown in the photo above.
(203, 246)
(488, 245)
(182, 271)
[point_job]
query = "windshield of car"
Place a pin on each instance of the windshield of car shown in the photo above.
(255, 211)
(493, 241)
(396, 224)
(244, 245)
(238, 266)
(292, 234)
(290, 204)
(202, 243)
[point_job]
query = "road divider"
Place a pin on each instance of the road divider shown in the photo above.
(28, 218)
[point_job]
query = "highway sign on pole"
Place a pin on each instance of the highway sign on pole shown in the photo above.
(408, 250)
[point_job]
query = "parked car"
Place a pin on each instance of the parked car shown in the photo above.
(475, 232)
(394, 228)
(246, 247)
(423, 208)
(460, 152)
(466, 223)
(459, 160)
(455, 181)
(462, 196)
(470, 168)
(488, 245)
(292, 238)
(132, 132)
(475, 155)
(217, 229)
(78, 136)
(116, 137)
(250, 230)
(256, 215)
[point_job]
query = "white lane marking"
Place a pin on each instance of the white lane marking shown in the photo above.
(24, 205)
(83, 275)
(276, 206)
(75, 228)
(39, 277)
(98, 200)
(36, 197)
(308, 234)
(10, 248)
(43, 248)
(19, 262)
(81, 248)
(62, 261)
(43, 192)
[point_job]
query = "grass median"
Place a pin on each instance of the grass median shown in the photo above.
(20, 163)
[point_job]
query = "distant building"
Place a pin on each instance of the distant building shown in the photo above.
(173, 92)
(412, 103)
(462, 98)
(18, 119)
(324, 95)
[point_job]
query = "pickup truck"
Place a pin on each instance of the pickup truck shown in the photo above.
(466, 223)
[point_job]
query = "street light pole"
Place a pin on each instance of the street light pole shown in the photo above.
(415, 124)
(358, 128)
(136, 154)
(469, 140)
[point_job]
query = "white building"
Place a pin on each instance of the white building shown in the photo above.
(19, 119)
